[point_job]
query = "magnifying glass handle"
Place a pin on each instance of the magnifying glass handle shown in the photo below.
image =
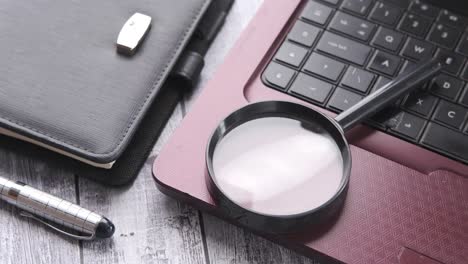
(386, 95)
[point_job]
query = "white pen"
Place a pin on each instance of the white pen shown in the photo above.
(39, 205)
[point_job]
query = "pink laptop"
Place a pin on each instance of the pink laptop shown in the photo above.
(407, 200)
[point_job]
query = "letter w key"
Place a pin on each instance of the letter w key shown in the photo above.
(419, 49)
(416, 49)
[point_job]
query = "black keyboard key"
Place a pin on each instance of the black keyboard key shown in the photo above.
(278, 75)
(388, 39)
(455, 62)
(444, 36)
(446, 86)
(451, 114)
(409, 125)
(451, 19)
(395, 120)
(417, 49)
(358, 79)
(385, 13)
(463, 46)
(343, 48)
(316, 13)
(331, 2)
(352, 26)
(359, 7)
(385, 63)
(446, 140)
(324, 66)
(415, 25)
(291, 54)
(343, 99)
(387, 118)
(464, 98)
(421, 103)
(381, 82)
(311, 88)
(401, 3)
(464, 73)
(408, 66)
(304, 34)
(424, 9)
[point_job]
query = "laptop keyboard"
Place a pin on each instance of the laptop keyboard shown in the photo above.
(339, 51)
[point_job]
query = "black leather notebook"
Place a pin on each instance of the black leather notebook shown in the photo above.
(63, 85)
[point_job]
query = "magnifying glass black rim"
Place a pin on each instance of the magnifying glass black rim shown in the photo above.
(277, 223)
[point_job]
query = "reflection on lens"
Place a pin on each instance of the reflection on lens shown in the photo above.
(276, 166)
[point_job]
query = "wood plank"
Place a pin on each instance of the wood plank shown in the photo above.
(150, 227)
(23, 240)
(228, 244)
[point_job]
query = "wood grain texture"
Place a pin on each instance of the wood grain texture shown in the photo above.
(228, 244)
(151, 228)
(26, 241)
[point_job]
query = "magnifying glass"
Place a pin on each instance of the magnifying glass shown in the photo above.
(278, 167)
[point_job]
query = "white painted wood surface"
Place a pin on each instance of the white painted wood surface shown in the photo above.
(151, 228)
(23, 240)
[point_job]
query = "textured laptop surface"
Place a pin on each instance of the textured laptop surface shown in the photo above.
(405, 202)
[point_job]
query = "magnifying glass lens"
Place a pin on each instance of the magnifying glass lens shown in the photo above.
(278, 166)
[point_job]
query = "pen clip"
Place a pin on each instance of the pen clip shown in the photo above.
(31, 216)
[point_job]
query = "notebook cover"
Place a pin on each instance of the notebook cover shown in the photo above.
(128, 164)
(62, 82)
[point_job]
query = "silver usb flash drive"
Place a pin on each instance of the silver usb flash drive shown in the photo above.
(132, 33)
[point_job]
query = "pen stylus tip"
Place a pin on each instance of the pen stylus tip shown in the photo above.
(105, 228)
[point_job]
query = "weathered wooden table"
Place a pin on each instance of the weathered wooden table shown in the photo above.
(151, 228)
